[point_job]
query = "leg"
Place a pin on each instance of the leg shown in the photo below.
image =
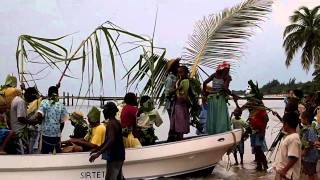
(261, 158)
(113, 170)
(257, 158)
(235, 156)
(241, 151)
(120, 174)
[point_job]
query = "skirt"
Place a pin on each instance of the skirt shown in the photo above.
(218, 116)
(180, 118)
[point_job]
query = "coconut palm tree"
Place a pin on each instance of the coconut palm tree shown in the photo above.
(303, 33)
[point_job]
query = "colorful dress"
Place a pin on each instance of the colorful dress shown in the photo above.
(218, 116)
(180, 118)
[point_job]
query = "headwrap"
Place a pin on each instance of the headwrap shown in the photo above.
(94, 114)
(224, 65)
(11, 81)
(171, 63)
(77, 118)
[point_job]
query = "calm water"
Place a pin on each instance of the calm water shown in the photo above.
(220, 172)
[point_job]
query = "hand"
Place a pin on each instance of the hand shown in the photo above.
(58, 85)
(22, 86)
(73, 140)
(282, 173)
(93, 157)
(317, 144)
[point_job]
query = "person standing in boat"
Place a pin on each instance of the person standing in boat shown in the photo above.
(112, 150)
(180, 116)
(52, 114)
(169, 89)
(18, 121)
(218, 117)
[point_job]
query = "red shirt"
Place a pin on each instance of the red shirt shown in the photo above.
(128, 116)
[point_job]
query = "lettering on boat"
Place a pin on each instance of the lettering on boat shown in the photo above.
(92, 175)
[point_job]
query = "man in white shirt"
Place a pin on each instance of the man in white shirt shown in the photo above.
(288, 160)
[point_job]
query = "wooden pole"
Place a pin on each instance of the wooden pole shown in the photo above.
(72, 100)
(64, 98)
(68, 98)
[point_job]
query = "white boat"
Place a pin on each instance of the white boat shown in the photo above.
(161, 160)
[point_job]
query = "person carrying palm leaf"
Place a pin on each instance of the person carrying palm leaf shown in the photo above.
(258, 119)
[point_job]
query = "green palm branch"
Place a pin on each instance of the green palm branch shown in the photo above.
(89, 52)
(303, 33)
(216, 38)
(221, 37)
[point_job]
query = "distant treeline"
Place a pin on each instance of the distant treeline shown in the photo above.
(275, 87)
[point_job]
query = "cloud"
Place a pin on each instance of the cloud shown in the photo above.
(283, 9)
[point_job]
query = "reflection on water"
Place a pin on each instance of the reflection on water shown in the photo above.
(236, 172)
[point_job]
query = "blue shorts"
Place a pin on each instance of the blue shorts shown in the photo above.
(3, 134)
(258, 140)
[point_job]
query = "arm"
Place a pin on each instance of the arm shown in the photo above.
(64, 117)
(22, 112)
(82, 142)
(293, 156)
(204, 88)
(292, 162)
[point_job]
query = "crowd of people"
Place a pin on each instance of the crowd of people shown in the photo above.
(30, 123)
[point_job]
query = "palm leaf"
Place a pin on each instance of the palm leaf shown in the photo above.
(52, 53)
(220, 37)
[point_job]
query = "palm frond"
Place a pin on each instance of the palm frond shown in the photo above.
(149, 70)
(220, 37)
(293, 28)
(89, 52)
(303, 34)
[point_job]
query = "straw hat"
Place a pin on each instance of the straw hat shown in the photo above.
(77, 116)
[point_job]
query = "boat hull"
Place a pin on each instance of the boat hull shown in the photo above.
(163, 160)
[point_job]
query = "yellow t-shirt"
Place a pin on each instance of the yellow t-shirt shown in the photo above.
(96, 135)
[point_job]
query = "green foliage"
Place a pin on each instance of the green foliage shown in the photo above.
(89, 52)
(220, 37)
(304, 34)
(275, 87)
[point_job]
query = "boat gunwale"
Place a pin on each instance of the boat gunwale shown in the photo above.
(89, 166)
(192, 138)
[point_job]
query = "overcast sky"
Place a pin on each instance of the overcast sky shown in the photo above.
(263, 60)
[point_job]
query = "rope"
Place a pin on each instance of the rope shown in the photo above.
(231, 149)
